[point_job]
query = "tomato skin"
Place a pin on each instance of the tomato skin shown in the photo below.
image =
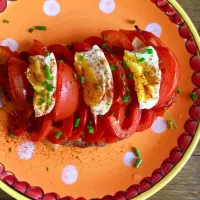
(94, 40)
(67, 93)
(61, 52)
(81, 46)
(170, 74)
(37, 48)
(147, 119)
(116, 38)
(18, 82)
(5, 55)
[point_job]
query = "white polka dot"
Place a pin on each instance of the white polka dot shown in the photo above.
(107, 6)
(51, 7)
(69, 174)
(26, 150)
(154, 28)
(129, 159)
(159, 125)
(12, 44)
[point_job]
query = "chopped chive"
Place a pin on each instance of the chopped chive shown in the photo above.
(127, 89)
(48, 86)
(6, 21)
(82, 80)
(48, 72)
(170, 117)
(40, 94)
(138, 162)
(130, 76)
(193, 96)
(98, 85)
(31, 30)
(10, 149)
(81, 57)
(141, 60)
(104, 46)
(137, 152)
(123, 76)
(90, 129)
(132, 21)
(42, 101)
(170, 124)
(62, 61)
(13, 136)
(124, 64)
(126, 98)
(29, 100)
(58, 134)
(49, 101)
(47, 53)
(76, 123)
(41, 28)
(112, 67)
(178, 90)
(150, 51)
(75, 75)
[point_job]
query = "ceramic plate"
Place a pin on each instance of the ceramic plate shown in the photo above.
(105, 172)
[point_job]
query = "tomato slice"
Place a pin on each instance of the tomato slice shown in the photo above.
(18, 82)
(83, 115)
(67, 93)
(170, 74)
(130, 125)
(94, 40)
(5, 55)
(61, 52)
(37, 48)
(81, 46)
(41, 128)
(147, 119)
(116, 38)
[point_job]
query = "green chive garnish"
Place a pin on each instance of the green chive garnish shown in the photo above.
(104, 46)
(112, 67)
(138, 162)
(48, 86)
(150, 51)
(6, 21)
(42, 101)
(31, 30)
(178, 90)
(13, 136)
(130, 76)
(41, 28)
(123, 76)
(127, 89)
(98, 85)
(132, 21)
(170, 124)
(193, 96)
(10, 149)
(141, 60)
(81, 57)
(137, 152)
(58, 135)
(40, 94)
(48, 72)
(170, 117)
(90, 129)
(126, 98)
(124, 64)
(82, 80)
(62, 61)
(76, 123)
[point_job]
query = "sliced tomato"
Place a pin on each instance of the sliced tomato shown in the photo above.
(5, 55)
(41, 128)
(170, 74)
(18, 82)
(67, 93)
(37, 48)
(130, 125)
(83, 115)
(94, 40)
(147, 119)
(116, 38)
(61, 52)
(81, 46)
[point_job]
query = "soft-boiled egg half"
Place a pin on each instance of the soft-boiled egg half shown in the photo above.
(98, 80)
(147, 75)
(42, 74)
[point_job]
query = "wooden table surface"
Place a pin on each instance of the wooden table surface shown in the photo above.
(186, 185)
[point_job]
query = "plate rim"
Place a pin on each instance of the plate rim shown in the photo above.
(180, 164)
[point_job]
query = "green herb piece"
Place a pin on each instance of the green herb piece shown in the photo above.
(126, 98)
(13, 136)
(42, 102)
(112, 67)
(41, 28)
(48, 72)
(47, 53)
(6, 21)
(178, 90)
(75, 75)
(193, 96)
(62, 61)
(127, 89)
(123, 76)
(132, 21)
(98, 85)
(124, 64)
(104, 46)
(10, 149)
(130, 76)
(48, 86)
(69, 46)
(138, 162)
(170, 117)
(40, 94)
(82, 80)
(170, 124)
(29, 100)
(31, 30)
(81, 57)
(150, 51)
(141, 60)
(90, 129)
(76, 123)
(58, 134)
(137, 152)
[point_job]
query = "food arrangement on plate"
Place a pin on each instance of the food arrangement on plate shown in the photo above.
(92, 92)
